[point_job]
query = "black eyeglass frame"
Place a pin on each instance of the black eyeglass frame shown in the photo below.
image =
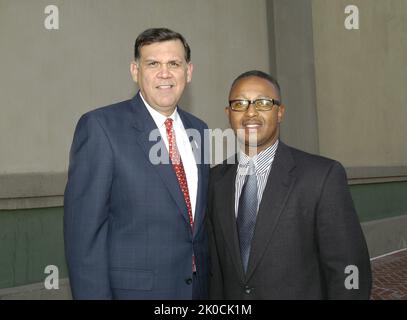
(273, 101)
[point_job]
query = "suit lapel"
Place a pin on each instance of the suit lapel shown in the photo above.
(279, 185)
(225, 188)
(144, 124)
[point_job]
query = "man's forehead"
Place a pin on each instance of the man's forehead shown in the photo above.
(173, 47)
(253, 85)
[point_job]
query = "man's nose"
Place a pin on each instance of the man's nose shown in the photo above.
(251, 110)
(164, 71)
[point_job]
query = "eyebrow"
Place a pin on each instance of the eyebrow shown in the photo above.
(153, 59)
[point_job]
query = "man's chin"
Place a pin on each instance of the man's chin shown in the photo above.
(249, 144)
(165, 104)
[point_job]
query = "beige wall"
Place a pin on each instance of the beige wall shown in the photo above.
(49, 78)
(361, 78)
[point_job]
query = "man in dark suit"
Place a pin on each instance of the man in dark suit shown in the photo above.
(136, 191)
(282, 221)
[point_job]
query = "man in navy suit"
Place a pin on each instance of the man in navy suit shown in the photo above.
(133, 217)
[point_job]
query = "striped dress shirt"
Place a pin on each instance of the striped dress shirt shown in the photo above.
(262, 163)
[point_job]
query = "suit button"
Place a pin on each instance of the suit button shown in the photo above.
(248, 290)
(188, 281)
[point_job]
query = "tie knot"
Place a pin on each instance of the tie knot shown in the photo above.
(252, 169)
(168, 123)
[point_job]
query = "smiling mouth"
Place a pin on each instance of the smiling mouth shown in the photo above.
(253, 125)
(166, 86)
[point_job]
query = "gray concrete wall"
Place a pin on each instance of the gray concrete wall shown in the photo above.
(385, 235)
(344, 89)
(360, 82)
(292, 62)
(49, 78)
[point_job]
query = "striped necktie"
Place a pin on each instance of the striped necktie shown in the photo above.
(247, 214)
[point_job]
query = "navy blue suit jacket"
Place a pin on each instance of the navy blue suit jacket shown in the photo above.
(126, 228)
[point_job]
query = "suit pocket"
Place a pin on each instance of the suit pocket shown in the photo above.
(131, 279)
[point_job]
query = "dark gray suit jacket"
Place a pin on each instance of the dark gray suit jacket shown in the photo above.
(307, 232)
(126, 225)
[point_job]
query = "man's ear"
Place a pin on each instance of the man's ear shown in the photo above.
(190, 68)
(134, 70)
(280, 113)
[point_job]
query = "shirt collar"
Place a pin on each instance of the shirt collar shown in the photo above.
(262, 161)
(159, 118)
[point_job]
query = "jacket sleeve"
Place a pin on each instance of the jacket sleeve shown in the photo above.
(343, 251)
(86, 204)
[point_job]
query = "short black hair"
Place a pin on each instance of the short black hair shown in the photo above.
(260, 74)
(154, 35)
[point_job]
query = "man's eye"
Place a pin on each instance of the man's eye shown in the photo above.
(238, 104)
(264, 103)
(174, 64)
(152, 64)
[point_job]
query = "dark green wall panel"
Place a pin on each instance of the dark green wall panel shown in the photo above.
(380, 200)
(29, 241)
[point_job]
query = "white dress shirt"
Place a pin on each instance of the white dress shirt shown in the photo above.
(184, 148)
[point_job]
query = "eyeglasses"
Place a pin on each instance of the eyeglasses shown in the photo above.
(259, 104)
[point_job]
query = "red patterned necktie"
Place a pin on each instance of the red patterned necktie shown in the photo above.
(180, 173)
